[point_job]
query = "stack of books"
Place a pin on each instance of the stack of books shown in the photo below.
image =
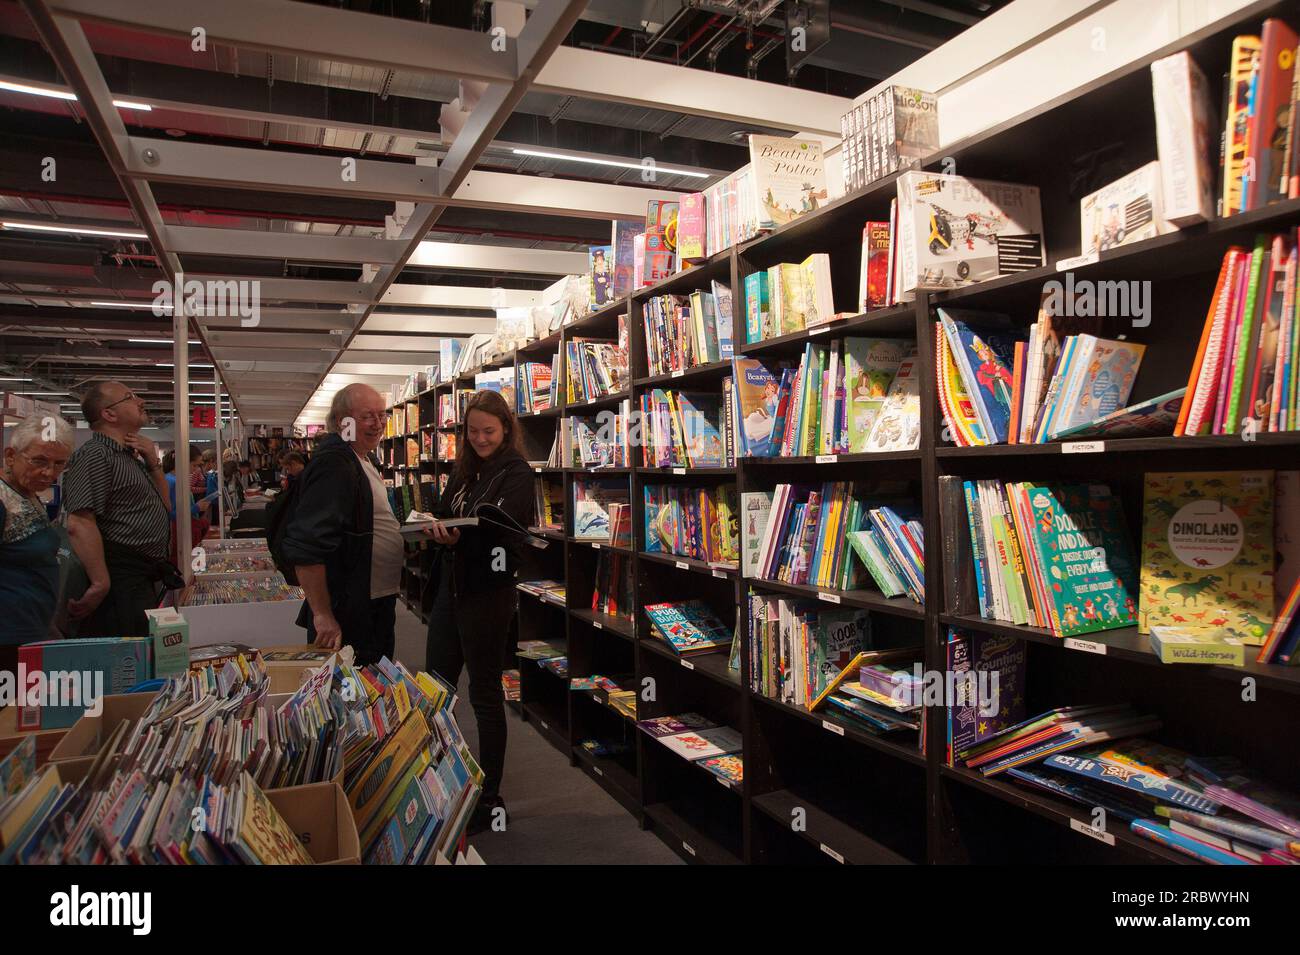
(205, 593)
(550, 504)
(595, 370)
(696, 738)
(601, 510)
(683, 331)
(602, 441)
(789, 298)
(896, 128)
(1247, 364)
(875, 691)
(612, 594)
(536, 385)
(1056, 556)
(797, 648)
(698, 522)
(551, 591)
(810, 531)
(510, 685)
(680, 429)
(689, 627)
(860, 395)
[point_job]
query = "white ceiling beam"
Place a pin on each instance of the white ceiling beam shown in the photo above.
(460, 296)
(375, 357)
(296, 29)
(346, 365)
(198, 240)
(260, 339)
(590, 74)
(445, 325)
(497, 258)
(295, 290)
(302, 359)
(296, 319)
(555, 196)
(396, 343)
(273, 170)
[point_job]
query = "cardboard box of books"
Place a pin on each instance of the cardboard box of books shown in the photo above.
(11, 736)
(89, 732)
(289, 666)
(949, 228)
(319, 813)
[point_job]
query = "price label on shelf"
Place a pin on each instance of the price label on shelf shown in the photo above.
(1083, 447)
(829, 598)
(679, 470)
(595, 547)
(679, 373)
(538, 470)
(1086, 646)
(827, 458)
(688, 664)
(1091, 833)
(719, 573)
(688, 847)
(1078, 261)
(833, 727)
(598, 771)
(682, 565)
(832, 853)
(545, 725)
(592, 401)
(598, 625)
(814, 330)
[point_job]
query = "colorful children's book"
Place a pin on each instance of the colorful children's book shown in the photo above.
(789, 178)
(985, 360)
(756, 397)
(1197, 645)
(998, 698)
(1083, 551)
(730, 767)
(661, 726)
(705, 743)
(1153, 418)
(689, 627)
(1139, 766)
(1207, 552)
(870, 365)
(898, 425)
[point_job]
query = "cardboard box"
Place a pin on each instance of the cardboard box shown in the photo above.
(77, 672)
(1130, 209)
(171, 641)
(287, 674)
(11, 736)
(88, 733)
(319, 813)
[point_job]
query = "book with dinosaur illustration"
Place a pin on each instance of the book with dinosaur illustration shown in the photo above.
(1207, 552)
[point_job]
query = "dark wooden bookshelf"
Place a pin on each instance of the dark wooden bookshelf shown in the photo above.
(864, 798)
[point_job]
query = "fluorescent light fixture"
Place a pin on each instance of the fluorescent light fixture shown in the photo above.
(619, 163)
(193, 364)
(40, 394)
(74, 230)
(15, 379)
(157, 341)
(146, 305)
(65, 95)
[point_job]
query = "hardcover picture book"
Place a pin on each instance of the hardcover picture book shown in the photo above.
(789, 178)
(1207, 552)
(705, 743)
(870, 365)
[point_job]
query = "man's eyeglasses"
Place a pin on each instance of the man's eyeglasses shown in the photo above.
(130, 396)
(371, 417)
(44, 464)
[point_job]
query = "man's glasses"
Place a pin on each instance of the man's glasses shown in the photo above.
(44, 464)
(371, 417)
(130, 396)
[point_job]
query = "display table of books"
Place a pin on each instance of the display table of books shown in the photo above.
(359, 764)
(260, 607)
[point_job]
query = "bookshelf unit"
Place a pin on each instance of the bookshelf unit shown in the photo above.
(863, 798)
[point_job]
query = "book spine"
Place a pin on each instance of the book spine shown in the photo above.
(975, 525)
(1249, 324)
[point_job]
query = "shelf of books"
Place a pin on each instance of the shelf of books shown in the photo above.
(1077, 408)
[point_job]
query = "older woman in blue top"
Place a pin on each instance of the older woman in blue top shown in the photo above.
(35, 455)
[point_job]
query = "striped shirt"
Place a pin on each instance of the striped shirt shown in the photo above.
(108, 480)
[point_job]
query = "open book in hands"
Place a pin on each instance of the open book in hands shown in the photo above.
(418, 521)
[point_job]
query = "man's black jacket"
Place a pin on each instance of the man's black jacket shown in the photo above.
(333, 524)
(506, 482)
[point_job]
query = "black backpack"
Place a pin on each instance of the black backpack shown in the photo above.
(280, 512)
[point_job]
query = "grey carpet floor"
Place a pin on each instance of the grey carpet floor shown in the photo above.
(558, 815)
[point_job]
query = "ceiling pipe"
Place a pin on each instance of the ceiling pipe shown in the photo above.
(752, 64)
(715, 45)
(664, 31)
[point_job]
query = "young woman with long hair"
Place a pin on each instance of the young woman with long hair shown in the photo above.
(469, 625)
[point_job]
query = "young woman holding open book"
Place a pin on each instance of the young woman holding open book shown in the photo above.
(469, 624)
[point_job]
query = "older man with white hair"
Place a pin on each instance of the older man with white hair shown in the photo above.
(35, 455)
(343, 538)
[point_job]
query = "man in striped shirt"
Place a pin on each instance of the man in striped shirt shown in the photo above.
(115, 495)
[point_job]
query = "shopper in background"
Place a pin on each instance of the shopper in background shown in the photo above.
(469, 625)
(246, 479)
(115, 496)
(293, 464)
(35, 456)
(198, 508)
(343, 538)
